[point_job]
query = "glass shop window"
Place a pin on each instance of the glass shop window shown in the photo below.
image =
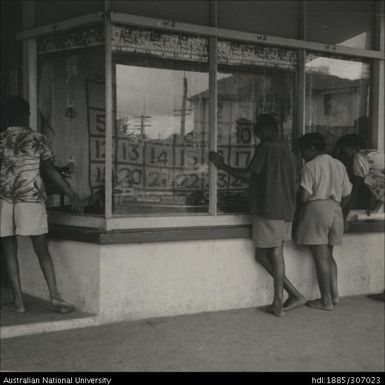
(71, 112)
(160, 139)
(337, 98)
(252, 80)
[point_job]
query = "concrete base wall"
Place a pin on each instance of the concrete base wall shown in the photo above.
(137, 281)
(77, 267)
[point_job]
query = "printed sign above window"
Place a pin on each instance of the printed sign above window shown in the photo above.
(234, 53)
(81, 38)
(160, 44)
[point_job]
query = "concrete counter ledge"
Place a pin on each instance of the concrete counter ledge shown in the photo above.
(82, 234)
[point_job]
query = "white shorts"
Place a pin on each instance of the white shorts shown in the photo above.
(23, 219)
(320, 223)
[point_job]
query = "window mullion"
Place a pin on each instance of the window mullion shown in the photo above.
(109, 115)
(213, 124)
(378, 79)
(32, 83)
(301, 93)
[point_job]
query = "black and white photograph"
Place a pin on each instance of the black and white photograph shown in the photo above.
(192, 187)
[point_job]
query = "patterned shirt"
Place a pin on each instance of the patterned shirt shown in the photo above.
(21, 152)
(375, 172)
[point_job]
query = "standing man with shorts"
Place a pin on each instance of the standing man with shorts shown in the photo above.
(272, 178)
(23, 153)
(325, 187)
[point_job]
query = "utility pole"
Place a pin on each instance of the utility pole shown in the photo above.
(143, 123)
(183, 112)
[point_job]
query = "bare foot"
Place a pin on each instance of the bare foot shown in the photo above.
(61, 306)
(276, 309)
(13, 307)
(319, 304)
(293, 302)
(336, 300)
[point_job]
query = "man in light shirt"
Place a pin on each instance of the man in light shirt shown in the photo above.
(366, 172)
(324, 188)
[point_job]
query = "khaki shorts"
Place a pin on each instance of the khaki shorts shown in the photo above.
(268, 233)
(22, 219)
(320, 223)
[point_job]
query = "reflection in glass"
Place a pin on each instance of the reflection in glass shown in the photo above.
(337, 98)
(71, 102)
(252, 80)
(161, 133)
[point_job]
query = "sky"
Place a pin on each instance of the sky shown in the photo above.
(157, 93)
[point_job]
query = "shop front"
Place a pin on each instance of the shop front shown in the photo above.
(133, 95)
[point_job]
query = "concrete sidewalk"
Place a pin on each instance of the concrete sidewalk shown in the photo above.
(351, 338)
(39, 318)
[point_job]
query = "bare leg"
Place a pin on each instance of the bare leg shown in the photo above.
(41, 249)
(295, 297)
(10, 249)
(323, 267)
(278, 270)
(334, 281)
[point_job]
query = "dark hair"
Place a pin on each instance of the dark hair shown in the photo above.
(13, 109)
(352, 140)
(266, 121)
(314, 139)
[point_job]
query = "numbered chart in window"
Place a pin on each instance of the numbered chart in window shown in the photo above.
(164, 174)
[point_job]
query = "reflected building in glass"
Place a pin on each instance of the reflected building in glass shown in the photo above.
(337, 98)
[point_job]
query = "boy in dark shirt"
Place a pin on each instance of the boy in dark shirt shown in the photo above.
(273, 186)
